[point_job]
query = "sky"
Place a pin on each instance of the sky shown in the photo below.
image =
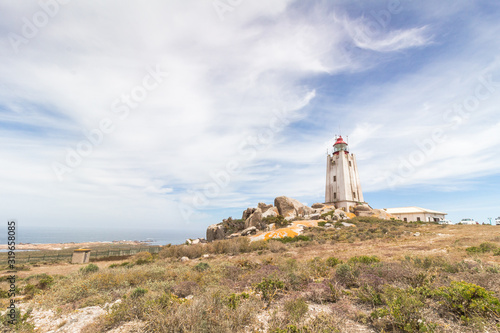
(177, 114)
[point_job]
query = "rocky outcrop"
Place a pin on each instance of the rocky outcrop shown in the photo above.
(272, 212)
(254, 220)
(318, 205)
(249, 231)
(290, 208)
(190, 241)
(247, 212)
(382, 214)
(215, 231)
(263, 207)
(362, 210)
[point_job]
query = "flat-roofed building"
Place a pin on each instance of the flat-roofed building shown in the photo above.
(413, 214)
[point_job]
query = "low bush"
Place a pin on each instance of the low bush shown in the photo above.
(138, 292)
(234, 300)
(364, 259)
(296, 309)
(269, 287)
(482, 248)
(142, 258)
(299, 238)
(90, 268)
(403, 312)
(332, 261)
(347, 275)
(467, 300)
(202, 266)
(279, 221)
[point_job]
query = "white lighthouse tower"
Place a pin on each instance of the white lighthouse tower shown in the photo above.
(343, 187)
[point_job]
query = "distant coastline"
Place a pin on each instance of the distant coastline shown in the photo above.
(38, 235)
(64, 246)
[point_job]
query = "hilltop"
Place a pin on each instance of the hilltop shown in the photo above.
(287, 215)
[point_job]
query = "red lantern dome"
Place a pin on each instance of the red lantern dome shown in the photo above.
(340, 145)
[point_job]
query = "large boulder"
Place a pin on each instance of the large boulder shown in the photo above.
(272, 212)
(263, 207)
(249, 231)
(290, 208)
(362, 210)
(318, 205)
(382, 214)
(247, 212)
(215, 231)
(254, 220)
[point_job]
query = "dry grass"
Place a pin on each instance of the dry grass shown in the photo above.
(341, 280)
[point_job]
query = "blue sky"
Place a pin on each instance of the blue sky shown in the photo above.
(179, 114)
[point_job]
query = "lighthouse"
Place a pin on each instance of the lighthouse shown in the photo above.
(343, 187)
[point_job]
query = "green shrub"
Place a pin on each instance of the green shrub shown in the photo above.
(482, 248)
(45, 282)
(138, 292)
(347, 275)
(296, 309)
(468, 300)
(202, 266)
(297, 238)
(234, 300)
(269, 287)
(368, 294)
(332, 261)
(30, 290)
(90, 268)
(403, 311)
(364, 259)
(473, 250)
(142, 258)
(279, 221)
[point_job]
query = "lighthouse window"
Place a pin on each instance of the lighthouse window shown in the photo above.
(350, 163)
(334, 178)
(354, 195)
(334, 195)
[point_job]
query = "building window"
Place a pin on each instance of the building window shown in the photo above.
(350, 164)
(418, 219)
(405, 219)
(334, 195)
(334, 178)
(354, 195)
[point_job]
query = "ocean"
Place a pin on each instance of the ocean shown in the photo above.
(45, 235)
